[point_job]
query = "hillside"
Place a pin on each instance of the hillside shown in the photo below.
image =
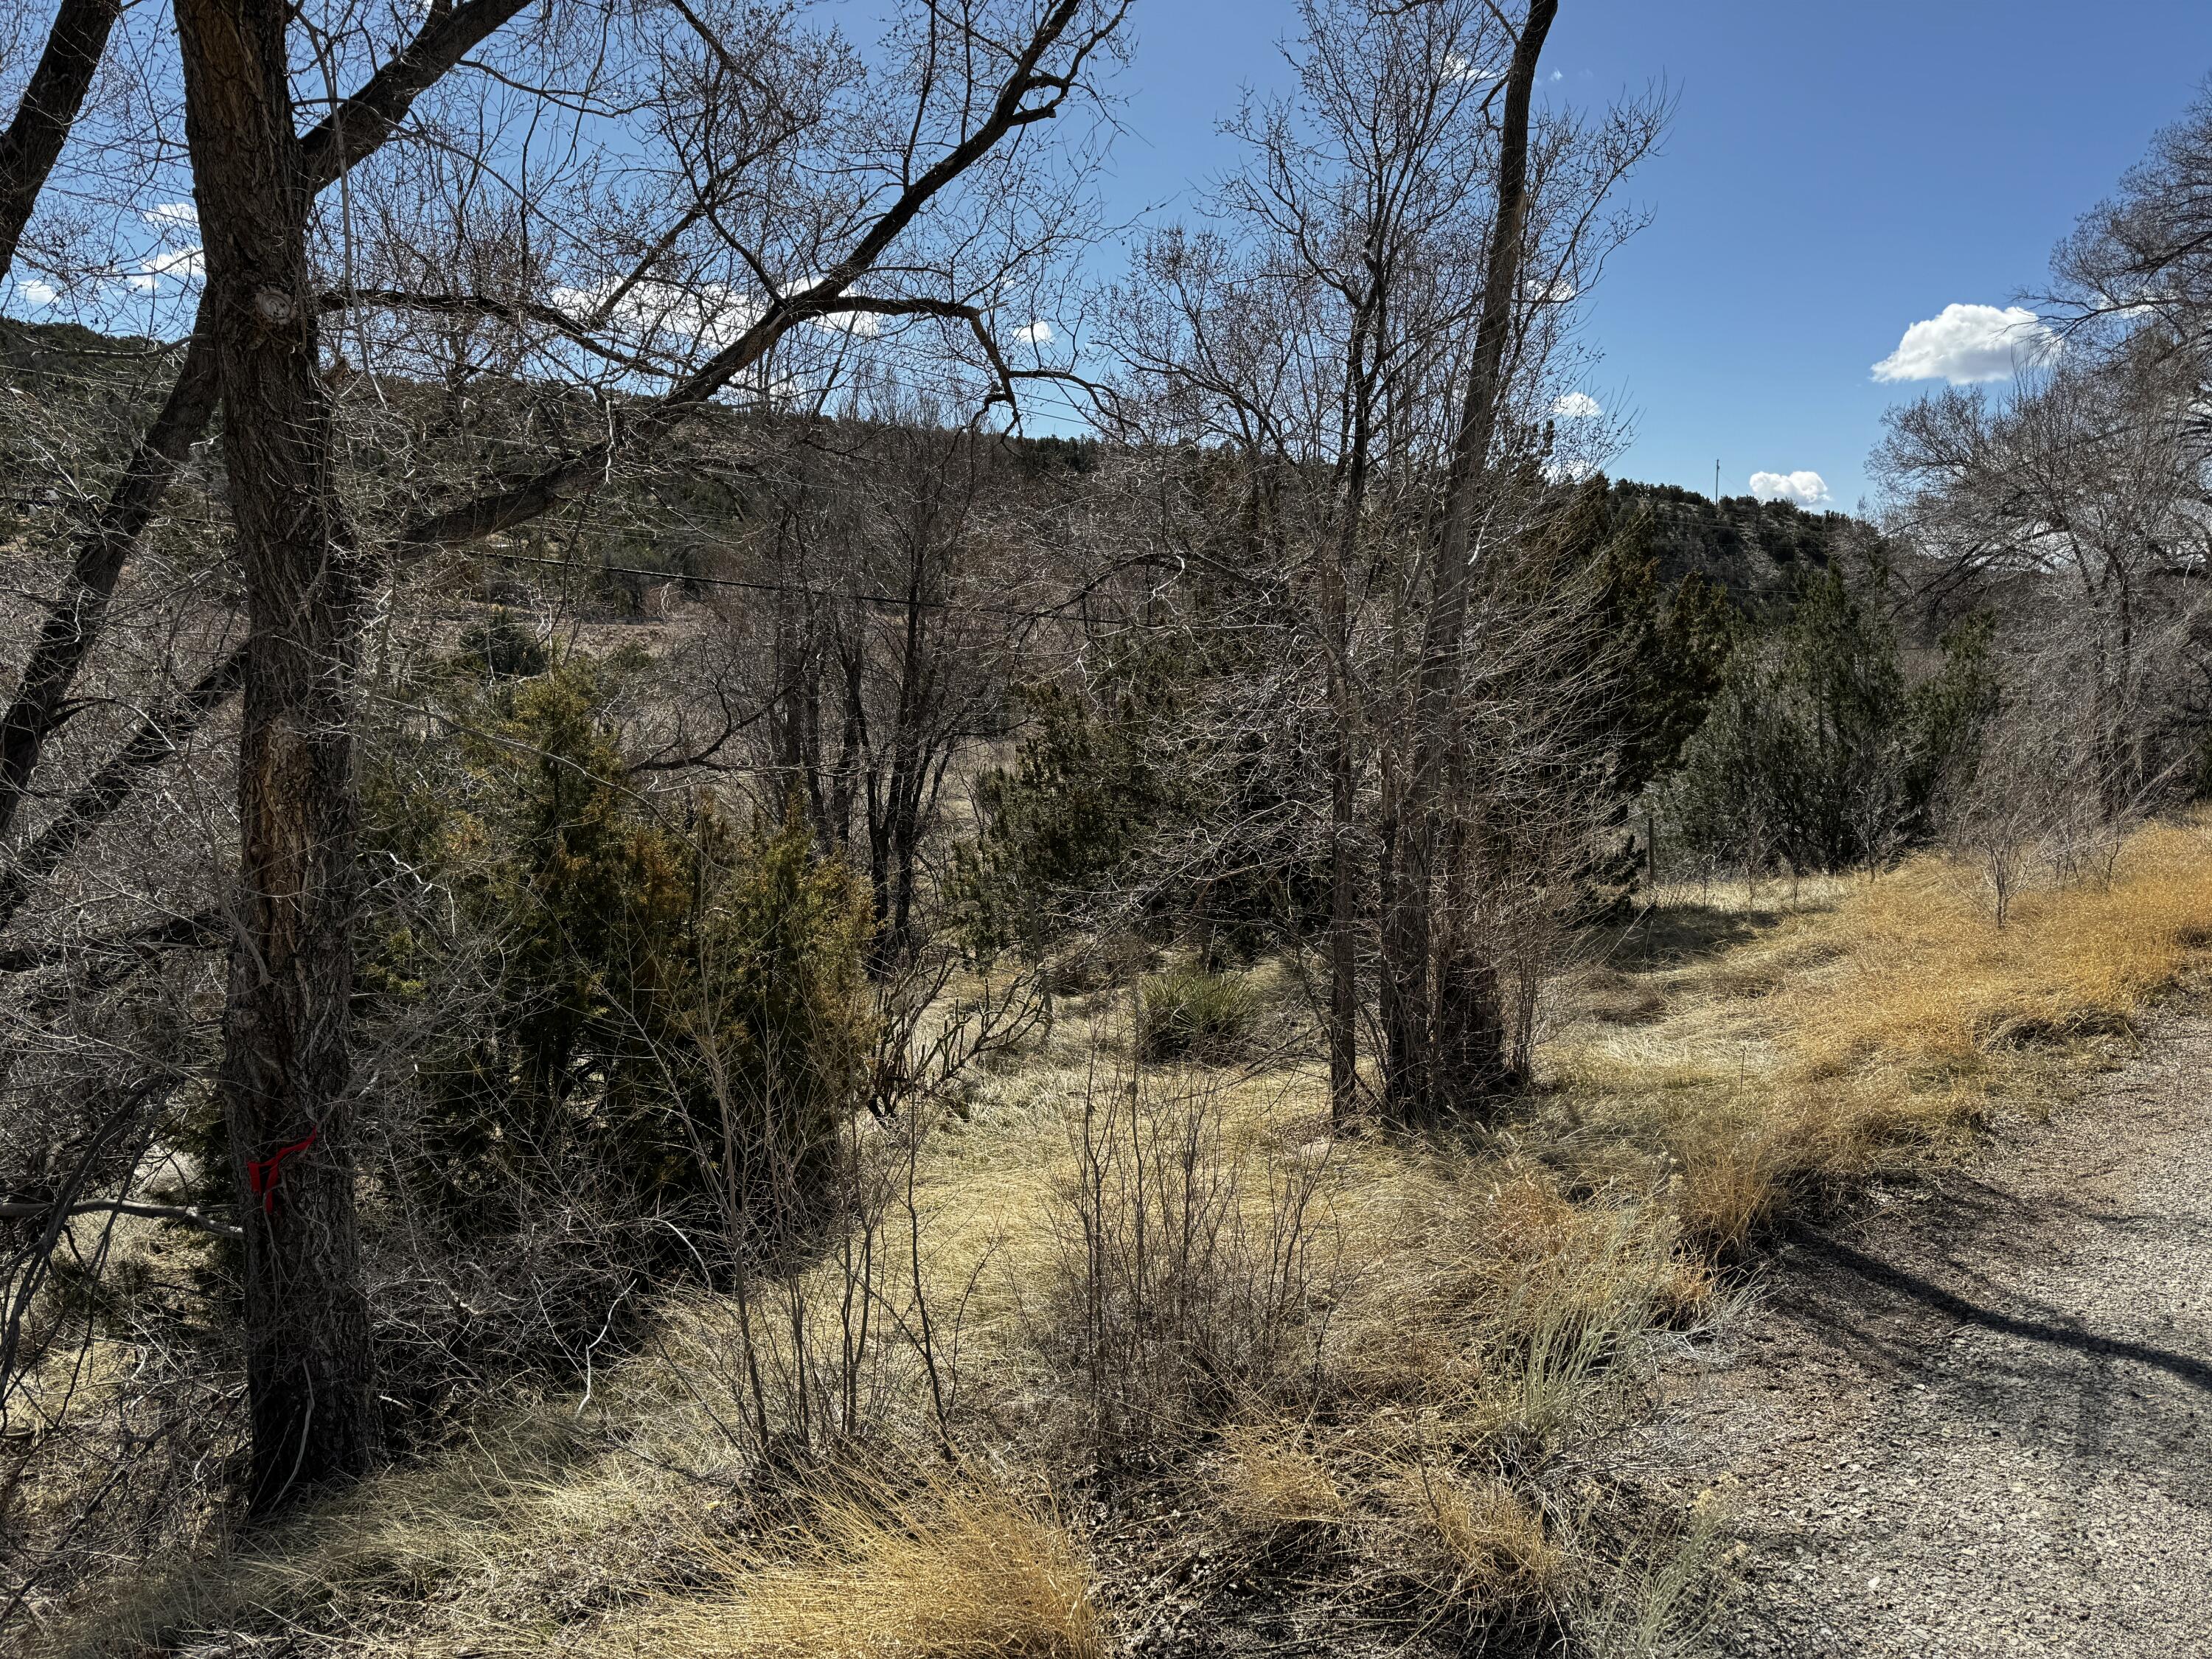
(1756, 551)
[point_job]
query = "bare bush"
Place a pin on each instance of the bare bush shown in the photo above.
(1186, 1275)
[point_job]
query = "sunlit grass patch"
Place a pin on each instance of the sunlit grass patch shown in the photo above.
(1268, 1480)
(1467, 1540)
(1865, 1023)
(954, 1569)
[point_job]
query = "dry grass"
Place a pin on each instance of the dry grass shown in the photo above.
(1470, 1542)
(1931, 985)
(1269, 1481)
(1461, 1327)
(528, 1524)
(953, 1569)
(1864, 1026)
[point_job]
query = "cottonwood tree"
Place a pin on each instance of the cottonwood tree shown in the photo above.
(1441, 1014)
(780, 199)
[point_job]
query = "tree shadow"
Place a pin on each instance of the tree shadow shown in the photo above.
(1677, 935)
(2050, 1325)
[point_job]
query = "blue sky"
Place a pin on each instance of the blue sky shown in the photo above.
(1835, 173)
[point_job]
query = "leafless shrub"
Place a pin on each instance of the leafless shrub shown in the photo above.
(1186, 1275)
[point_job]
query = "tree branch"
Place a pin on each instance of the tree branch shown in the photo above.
(158, 737)
(504, 507)
(182, 1215)
(32, 142)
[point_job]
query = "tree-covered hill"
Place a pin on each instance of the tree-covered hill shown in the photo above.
(1755, 550)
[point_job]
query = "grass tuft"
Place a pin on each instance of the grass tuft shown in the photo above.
(1470, 1541)
(1269, 1482)
(1187, 1013)
(954, 1569)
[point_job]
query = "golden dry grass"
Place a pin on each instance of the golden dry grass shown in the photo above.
(1269, 1481)
(1468, 1539)
(499, 1533)
(954, 1569)
(1868, 1023)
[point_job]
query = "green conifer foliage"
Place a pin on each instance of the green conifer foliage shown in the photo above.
(672, 1012)
(1816, 755)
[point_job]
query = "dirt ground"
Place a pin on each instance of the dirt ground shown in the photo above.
(1977, 1419)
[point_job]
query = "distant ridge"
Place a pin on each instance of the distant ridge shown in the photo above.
(1754, 551)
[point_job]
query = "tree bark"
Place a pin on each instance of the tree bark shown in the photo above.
(32, 142)
(1418, 993)
(287, 1059)
(353, 130)
(1336, 567)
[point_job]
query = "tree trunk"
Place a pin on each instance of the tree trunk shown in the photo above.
(1336, 568)
(1343, 905)
(287, 1059)
(1413, 1010)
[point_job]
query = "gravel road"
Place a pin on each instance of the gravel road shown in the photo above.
(1979, 1420)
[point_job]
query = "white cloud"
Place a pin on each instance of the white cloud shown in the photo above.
(1969, 343)
(712, 315)
(1805, 489)
(37, 293)
(181, 215)
(184, 265)
(866, 324)
(1037, 333)
(1577, 406)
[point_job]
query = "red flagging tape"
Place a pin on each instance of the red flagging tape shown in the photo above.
(261, 1178)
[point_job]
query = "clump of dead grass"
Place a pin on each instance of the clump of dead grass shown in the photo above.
(534, 1506)
(1268, 1481)
(951, 1569)
(1467, 1541)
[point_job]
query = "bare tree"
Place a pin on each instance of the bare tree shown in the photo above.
(1431, 1003)
(2074, 499)
(2078, 500)
(287, 1068)
(801, 171)
(1376, 285)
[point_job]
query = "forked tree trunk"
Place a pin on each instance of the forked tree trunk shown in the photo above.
(287, 1057)
(1420, 994)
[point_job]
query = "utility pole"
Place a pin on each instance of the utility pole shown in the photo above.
(1716, 481)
